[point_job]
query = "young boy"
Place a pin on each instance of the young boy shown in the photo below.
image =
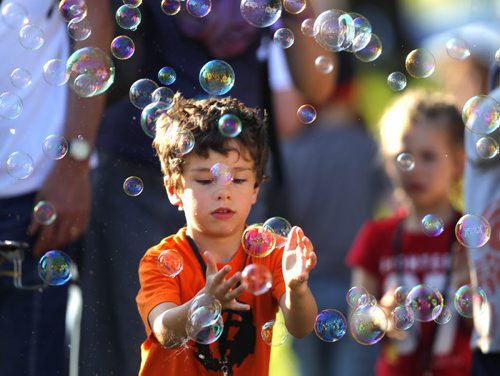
(210, 246)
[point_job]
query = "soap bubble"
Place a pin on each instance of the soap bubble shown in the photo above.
(306, 113)
(94, 63)
(216, 77)
(307, 27)
(167, 75)
(128, 18)
(467, 299)
(330, 325)
(371, 51)
(422, 301)
(31, 37)
(44, 213)
(473, 231)
(324, 64)
(258, 241)
(170, 7)
(274, 333)
(141, 92)
(400, 294)
(55, 147)
(457, 49)
(334, 30)
(257, 278)
(170, 263)
(353, 295)
(229, 125)
(165, 95)
(198, 8)
(405, 162)
(73, 9)
(362, 33)
(132, 3)
(54, 72)
(368, 324)
(11, 105)
(284, 37)
(79, 29)
(432, 225)
(184, 142)
(396, 81)
(20, 78)
(444, 317)
(14, 15)
(481, 114)
(122, 47)
(133, 186)
(204, 310)
(294, 6)
(402, 318)
(19, 165)
(367, 299)
(280, 227)
(54, 268)
(221, 173)
(261, 13)
(205, 335)
(150, 115)
(487, 148)
(420, 63)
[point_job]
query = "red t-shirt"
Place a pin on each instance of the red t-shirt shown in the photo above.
(424, 260)
(245, 350)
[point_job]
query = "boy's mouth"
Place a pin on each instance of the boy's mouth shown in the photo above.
(222, 213)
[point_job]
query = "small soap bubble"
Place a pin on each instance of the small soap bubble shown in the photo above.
(353, 295)
(487, 147)
(79, 149)
(334, 30)
(432, 225)
(71, 9)
(11, 105)
(284, 37)
(261, 13)
(89, 68)
(306, 114)
(132, 3)
(79, 29)
(184, 142)
(473, 231)
(402, 318)
(31, 37)
(198, 8)
(444, 317)
(367, 299)
(324, 64)
(216, 77)
(165, 95)
(307, 27)
(258, 241)
(170, 7)
(396, 81)
(229, 125)
(55, 147)
(457, 49)
(204, 310)
(122, 47)
(362, 33)
(221, 173)
(481, 114)
(330, 325)
(167, 75)
(274, 333)
(141, 92)
(170, 263)
(257, 278)
(19, 165)
(280, 227)
(133, 186)
(420, 63)
(54, 268)
(469, 299)
(14, 15)
(422, 301)
(371, 51)
(150, 115)
(20, 78)
(44, 213)
(128, 17)
(54, 72)
(294, 6)
(400, 294)
(368, 324)
(405, 162)
(205, 335)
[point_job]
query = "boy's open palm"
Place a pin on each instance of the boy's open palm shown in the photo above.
(298, 258)
(225, 290)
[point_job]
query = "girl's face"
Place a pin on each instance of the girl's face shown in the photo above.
(438, 165)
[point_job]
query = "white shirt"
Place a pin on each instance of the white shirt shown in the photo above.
(44, 105)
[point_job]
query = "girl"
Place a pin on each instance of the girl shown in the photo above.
(422, 139)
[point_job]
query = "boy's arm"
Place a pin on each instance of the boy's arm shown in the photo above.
(297, 303)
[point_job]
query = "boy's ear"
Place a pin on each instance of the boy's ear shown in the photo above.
(173, 197)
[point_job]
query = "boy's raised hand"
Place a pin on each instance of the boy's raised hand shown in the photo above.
(298, 258)
(223, 289)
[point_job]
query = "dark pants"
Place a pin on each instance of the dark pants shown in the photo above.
(32, 323)
(485, 364)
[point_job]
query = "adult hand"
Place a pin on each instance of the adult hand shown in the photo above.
(68, 189)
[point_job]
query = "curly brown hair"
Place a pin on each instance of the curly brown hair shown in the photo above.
(190, 119)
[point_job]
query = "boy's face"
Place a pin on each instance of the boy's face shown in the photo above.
(437, 165)
(213, 207)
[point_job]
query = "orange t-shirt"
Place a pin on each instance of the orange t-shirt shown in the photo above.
(245, 351)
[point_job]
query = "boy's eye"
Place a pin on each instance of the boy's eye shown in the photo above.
(204, 181)
(239, 181)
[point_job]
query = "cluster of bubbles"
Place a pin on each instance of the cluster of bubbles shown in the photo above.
(133, 186)
(54, 268)
(259, 240)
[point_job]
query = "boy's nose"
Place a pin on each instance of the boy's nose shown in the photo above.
(224, 192)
